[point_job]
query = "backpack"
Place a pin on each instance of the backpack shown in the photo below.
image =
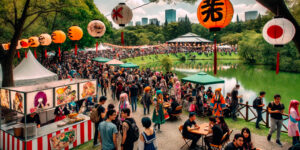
(133, 133)
(255, 103)
(94, 115)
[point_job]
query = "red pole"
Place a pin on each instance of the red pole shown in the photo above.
(35, 53)
(25, 54)
(75, 49)
(96, 47)
(277, 64)
(46, 53)
(18, 54)
(59, 51)
(215, 57)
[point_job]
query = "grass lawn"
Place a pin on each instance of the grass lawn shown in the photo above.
(144, 60)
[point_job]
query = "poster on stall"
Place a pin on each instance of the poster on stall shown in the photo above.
(65, 94)
(4, 96)
(87, 89)
(63, 140)
(17, 101)
(39, 100)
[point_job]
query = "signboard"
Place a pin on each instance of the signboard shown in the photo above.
(39, 100)
(17, 101)
(63, 140)
(4, 96)
(87, 89)
(65, 94)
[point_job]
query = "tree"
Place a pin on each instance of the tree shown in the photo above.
(167, 64)
(20, 16)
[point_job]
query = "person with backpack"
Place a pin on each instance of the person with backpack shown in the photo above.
(258, 105)
(276, 109)
(130, 131)
(97, 116)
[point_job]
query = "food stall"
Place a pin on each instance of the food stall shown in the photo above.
(17, 102)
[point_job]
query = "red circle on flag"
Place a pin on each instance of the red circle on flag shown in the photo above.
(275, 31)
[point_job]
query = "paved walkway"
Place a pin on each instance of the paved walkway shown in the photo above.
(171, 139)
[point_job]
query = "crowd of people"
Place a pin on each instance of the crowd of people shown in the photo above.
(130, 86)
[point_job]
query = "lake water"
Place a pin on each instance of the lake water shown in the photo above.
(252, 79)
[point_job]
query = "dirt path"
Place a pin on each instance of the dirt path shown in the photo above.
(171, 139)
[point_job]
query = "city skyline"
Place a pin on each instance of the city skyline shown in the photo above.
(157, 10)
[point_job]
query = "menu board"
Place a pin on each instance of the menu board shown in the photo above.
(39, 100)
(17, 101)
(63, 140)
(4, 96)
(87, 89)
(66, 94)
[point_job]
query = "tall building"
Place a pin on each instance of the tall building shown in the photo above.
(154, 21)
(170, 15)
(251, 15)
(144, 21)
(138, 23)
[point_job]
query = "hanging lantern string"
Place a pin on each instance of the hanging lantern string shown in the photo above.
(134, 8)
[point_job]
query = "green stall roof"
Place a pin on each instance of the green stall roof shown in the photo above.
(101, 59)
(129, 65)
(203, 79)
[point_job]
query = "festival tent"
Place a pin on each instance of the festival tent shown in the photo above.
(203, 79)
(101, 59)
(129, 65)
(189, 38)
(115, 62)
(30, 72)
(224, 47)
(100, 48)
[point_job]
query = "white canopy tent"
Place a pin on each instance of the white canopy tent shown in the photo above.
(30, 72)
(225, 47)
(100, 48)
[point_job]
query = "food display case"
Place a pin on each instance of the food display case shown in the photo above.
(17, 102)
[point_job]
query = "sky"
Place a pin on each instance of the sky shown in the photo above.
(157, 10)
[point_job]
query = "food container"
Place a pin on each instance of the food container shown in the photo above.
(18, 130)
(31, 129)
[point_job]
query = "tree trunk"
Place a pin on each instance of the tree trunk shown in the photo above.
(7, 63)
(278, 7)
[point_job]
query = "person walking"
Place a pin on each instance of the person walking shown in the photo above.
(217, 103)
(101, 113)
(108, 132)
(128, 124)
(276, 109)
(235, 101)
(133, 94)
(293, 124)
(147, 100)
(158, 114)
(147, 138)
(258, 105)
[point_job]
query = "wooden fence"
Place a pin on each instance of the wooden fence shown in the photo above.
(250, 110)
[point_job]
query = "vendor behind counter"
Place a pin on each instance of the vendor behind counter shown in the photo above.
(32, 118)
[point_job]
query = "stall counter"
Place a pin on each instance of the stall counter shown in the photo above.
(83, 129)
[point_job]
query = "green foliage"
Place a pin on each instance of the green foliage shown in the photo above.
(182, 58)
(232, 39)
(167, 64)
(255, 50)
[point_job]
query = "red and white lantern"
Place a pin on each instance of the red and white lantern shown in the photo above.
(121, 14)
(279, 31)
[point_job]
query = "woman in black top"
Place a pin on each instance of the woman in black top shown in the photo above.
(220, 121)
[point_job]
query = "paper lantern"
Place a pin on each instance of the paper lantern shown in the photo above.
(58, 37)
(215, 14)
(121, 14)
(33, 41)
(96, 28)
(6, 46)
(45, 39)
(75, 33)
(24, 43)
(279, 31)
